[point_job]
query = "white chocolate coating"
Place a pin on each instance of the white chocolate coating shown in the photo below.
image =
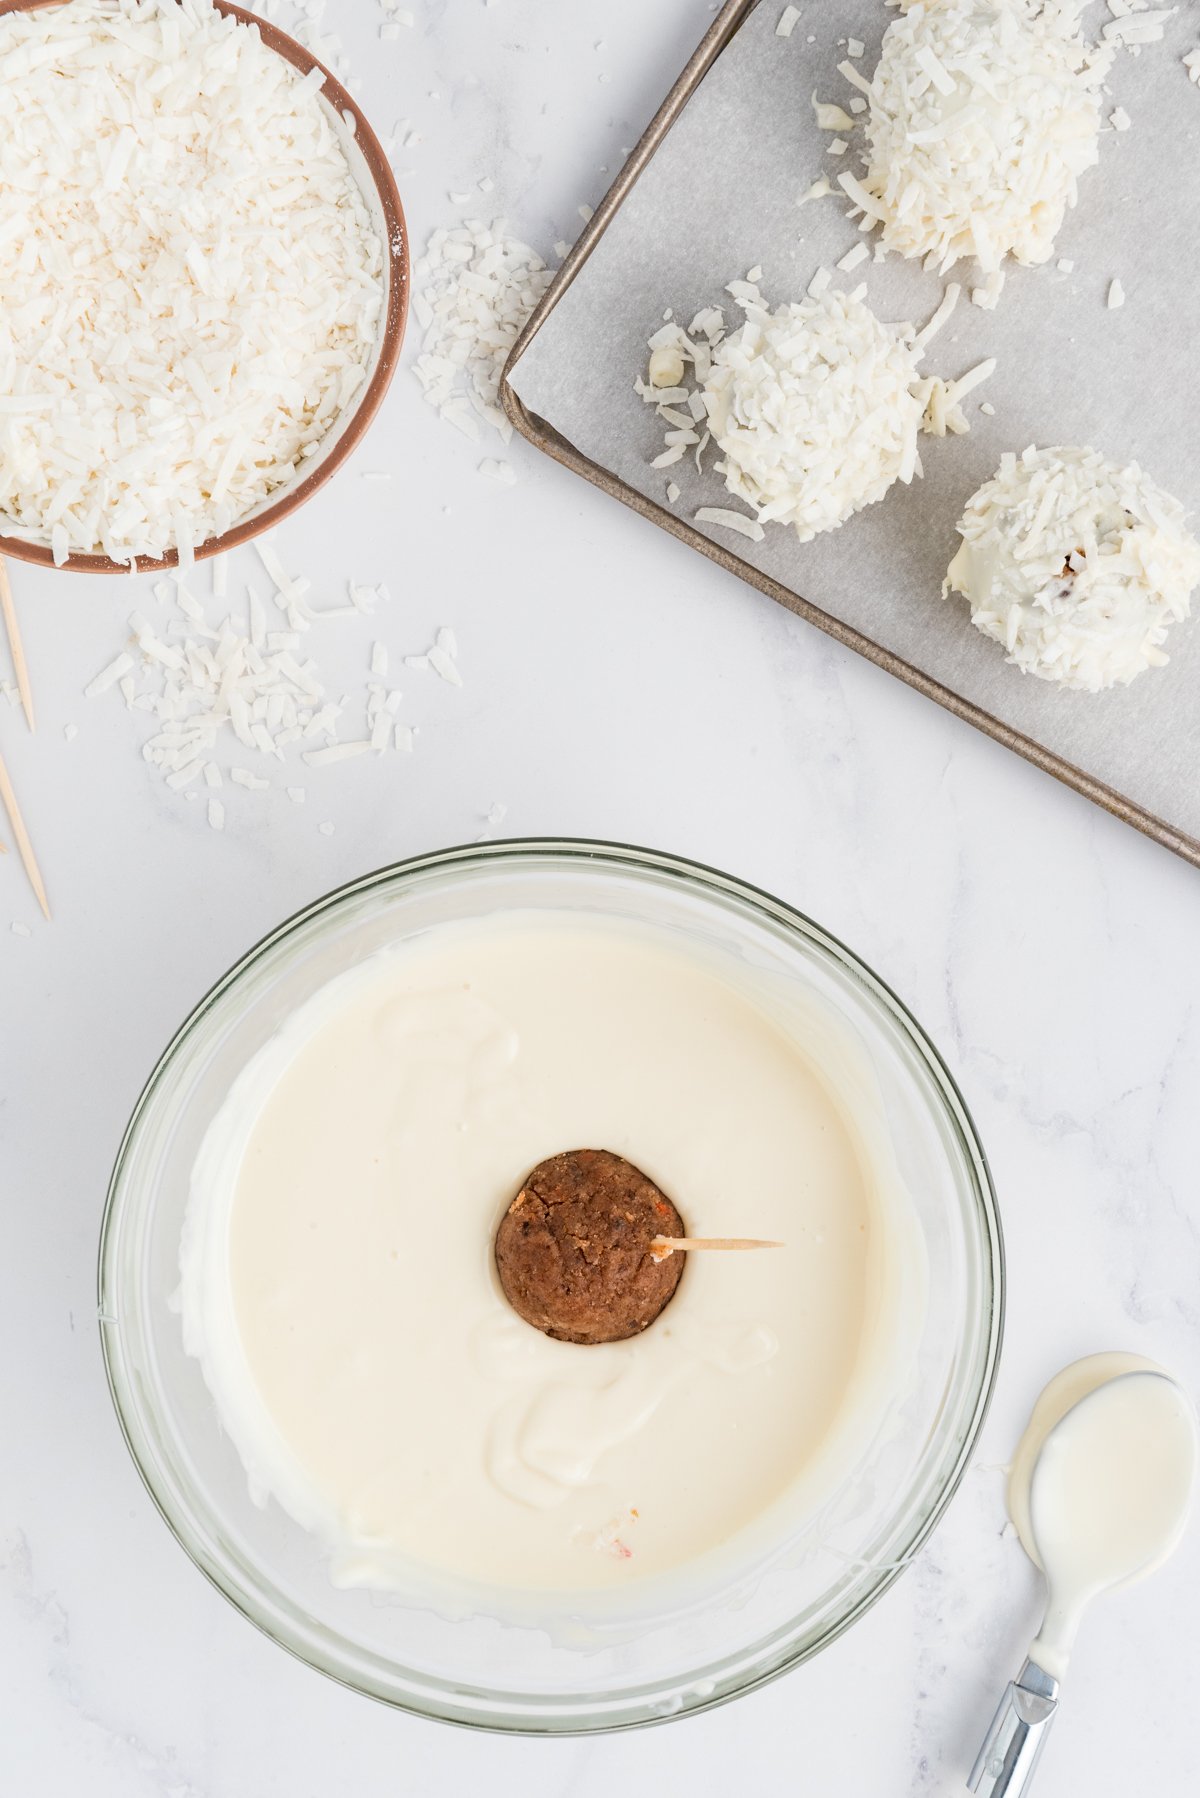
(339, 1282)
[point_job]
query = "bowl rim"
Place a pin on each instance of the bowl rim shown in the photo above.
(398, 262)
(427, 1696)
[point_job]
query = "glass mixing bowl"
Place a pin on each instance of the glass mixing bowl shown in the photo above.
(474, 1669)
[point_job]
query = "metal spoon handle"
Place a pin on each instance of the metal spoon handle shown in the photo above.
(1013, 1745)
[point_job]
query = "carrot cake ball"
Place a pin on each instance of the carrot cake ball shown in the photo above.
(1077, 565)
(573, 1250)
(983, 115)
(814, 410)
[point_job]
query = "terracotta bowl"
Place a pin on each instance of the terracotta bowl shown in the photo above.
(370, 167)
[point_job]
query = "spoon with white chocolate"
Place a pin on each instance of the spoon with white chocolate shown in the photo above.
(1100, 1490)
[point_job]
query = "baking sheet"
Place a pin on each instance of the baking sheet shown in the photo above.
(716, 193)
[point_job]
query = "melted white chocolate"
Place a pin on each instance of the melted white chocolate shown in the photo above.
(339, 1282)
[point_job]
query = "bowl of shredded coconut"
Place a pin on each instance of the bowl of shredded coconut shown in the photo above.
(204, 280)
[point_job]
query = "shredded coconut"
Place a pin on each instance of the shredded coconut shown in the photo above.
(246, 685)
(731, 521)
(474, 290)
(190, 283)
(983, 115)
(1077, 565)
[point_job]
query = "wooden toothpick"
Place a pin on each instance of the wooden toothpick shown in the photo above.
(21, 837)
(20, 666)
(662, 1246)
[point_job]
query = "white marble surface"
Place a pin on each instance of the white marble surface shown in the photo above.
(615, 685)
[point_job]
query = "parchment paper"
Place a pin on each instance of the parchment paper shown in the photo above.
(720, 196)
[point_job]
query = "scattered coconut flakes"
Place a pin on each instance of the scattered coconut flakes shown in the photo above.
(443, 665)
(731, 521)
(204, 684)
(817, 191)
(988, 409)
(1191, 63)
(504, 472)
(830, 117)
(326, 829)
(216, 815)
(943, 400)
(70, 732)
(336, 752)
(852, 258)
(497, 813)
(1119, 119)
(135, 326)
(297, 795)
(1116, 295)
(108, 677)
(473, 292)
(1065, 266)
(987, 297)
(1076, 565)
(837, 146)
(982, 118)
(855, 46)
(440, 658)
(672, 492)
(19, 929)
(1136, 28)
(789, 18)
(948, 302)
(854, 76)
(379, 659)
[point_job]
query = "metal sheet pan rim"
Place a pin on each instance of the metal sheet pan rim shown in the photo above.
(544, 437)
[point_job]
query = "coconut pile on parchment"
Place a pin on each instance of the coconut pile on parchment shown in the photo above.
(191, 285)
(816, 406)
(1077, 565)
